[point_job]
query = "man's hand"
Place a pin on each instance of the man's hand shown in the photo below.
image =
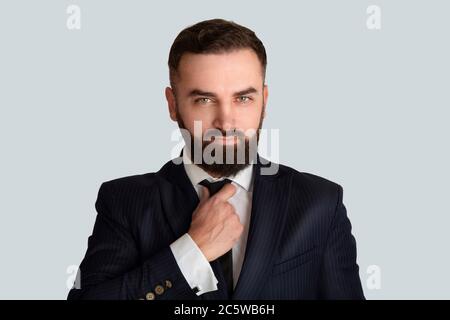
(215, 226)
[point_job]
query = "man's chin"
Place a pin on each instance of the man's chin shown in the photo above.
(234, 156)
(223, 169)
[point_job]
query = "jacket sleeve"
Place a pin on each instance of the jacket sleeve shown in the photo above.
(340, 272)
(111, 268)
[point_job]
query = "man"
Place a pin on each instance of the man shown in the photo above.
(236, 229)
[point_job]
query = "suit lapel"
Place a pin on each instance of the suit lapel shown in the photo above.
(269, 203)
(179, 200)
(178, 197)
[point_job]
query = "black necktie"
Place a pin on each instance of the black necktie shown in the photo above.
(225, 260)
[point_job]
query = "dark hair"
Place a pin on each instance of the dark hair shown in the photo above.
(214, 36)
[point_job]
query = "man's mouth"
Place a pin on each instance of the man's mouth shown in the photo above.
(225, 139)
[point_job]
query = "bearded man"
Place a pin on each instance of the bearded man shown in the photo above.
(219, 221)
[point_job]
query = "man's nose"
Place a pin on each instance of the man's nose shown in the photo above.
(224, 117)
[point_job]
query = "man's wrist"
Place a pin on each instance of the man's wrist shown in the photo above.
(194, 265)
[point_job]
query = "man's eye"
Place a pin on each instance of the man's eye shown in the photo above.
(202, 100)
(244, 99)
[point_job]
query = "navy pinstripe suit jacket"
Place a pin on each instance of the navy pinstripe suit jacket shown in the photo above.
(299, 245)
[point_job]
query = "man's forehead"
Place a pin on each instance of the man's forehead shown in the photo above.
(215, 77)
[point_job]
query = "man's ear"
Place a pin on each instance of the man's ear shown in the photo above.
(266, 95)
(171, 102)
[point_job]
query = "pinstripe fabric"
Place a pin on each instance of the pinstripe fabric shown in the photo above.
(299, 245)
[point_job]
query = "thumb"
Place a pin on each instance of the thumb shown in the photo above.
(205, 194)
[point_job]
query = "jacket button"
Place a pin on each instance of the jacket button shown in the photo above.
(150, 296)
(168, 284)
(159, 289)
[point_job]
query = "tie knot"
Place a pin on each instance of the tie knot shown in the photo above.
(214, 187)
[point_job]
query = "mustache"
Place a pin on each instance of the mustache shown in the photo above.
(214, 132)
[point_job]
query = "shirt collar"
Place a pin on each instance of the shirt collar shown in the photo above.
(196, 174)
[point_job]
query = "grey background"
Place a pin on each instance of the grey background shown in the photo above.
(367, 109)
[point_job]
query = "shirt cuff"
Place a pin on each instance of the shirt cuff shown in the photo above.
(193, 265)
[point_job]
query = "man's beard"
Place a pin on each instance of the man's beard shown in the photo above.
(242, 153)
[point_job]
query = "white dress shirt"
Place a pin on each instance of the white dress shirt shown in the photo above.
(190, 259)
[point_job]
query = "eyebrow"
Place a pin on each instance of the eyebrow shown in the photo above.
(198, 92)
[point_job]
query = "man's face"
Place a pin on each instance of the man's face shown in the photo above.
(225, 92)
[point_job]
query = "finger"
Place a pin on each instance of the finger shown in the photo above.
(226, 192)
